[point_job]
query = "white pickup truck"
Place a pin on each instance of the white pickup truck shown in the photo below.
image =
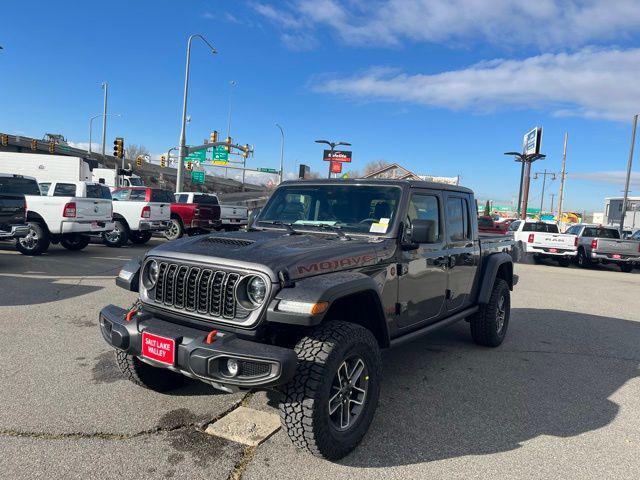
(137, 213)
(66, 213)
(544, 240)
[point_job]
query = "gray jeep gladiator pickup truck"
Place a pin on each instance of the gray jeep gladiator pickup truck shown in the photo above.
(329, 273)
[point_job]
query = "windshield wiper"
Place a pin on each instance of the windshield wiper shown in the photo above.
(280, 223)
(333, 228)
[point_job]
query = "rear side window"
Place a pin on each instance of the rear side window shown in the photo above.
(98, 191)
(19, 186)
(457, 219)
(164, 196)
(205, 199)
(120, 195)
(514, 226)
(44, 188)
(138, 195)
(540, 227)
(182, 198)
(65, 190)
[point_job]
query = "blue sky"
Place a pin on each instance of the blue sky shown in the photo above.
(442, 87)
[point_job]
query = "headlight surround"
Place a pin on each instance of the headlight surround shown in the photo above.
(150, 274)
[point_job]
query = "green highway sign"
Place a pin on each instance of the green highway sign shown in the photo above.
(197, 176)
(268, 170)
(197, 156)
(220, 154)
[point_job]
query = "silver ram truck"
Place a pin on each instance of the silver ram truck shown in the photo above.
(601, 244)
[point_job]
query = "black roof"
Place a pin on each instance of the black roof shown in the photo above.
(381, 181)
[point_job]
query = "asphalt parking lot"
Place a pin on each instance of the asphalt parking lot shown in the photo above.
(559, 399)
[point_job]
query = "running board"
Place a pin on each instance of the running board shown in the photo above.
(432, 327)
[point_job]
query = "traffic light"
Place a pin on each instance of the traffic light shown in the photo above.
(227, 147)
(247, 151)
(139, 159)
(34, 144)
(4, 139)
(52, 147)
(118, 147)
(189, 165)
(213, 137)
(163, 161)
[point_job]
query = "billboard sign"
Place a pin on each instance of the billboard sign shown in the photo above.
(336, 167)
(337, 156)
(531, 141)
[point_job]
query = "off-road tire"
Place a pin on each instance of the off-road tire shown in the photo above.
(485, 323)
(75, 242)
(144, 375)
(175, 230)
(41, 245)
(140, 238)
(626, 268)
(564, 262)
(536, 259)
(304, 407)
(582, 259)
(123, 237)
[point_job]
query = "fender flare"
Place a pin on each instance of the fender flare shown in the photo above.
(490, 272)
(129, 275)
(325, 288)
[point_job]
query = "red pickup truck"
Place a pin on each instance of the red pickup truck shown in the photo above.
(192, 213)
(487, 224)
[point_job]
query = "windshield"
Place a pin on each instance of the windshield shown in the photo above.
(352, 208)
(17, 185)
(135, 182)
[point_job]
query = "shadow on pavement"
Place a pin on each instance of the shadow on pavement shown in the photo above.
(34, 291)
(444, 397)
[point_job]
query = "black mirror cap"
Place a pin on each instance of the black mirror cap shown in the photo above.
(422, 231)
(253, 216)
(129, 275)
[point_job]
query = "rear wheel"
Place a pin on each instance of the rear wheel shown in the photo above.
(626, 267)
(117, 237)
(36, 242)
(175, 229)
(564, 262)
(139, 238)
(583, 260)
(75, 241)
(537, 259)
(328, 406)
(144, 375)
(489, 325)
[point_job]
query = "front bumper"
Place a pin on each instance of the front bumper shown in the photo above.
(150, 226)
(17, 231)
(608, 257)
(260, 365)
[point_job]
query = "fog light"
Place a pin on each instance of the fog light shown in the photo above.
(232, 367)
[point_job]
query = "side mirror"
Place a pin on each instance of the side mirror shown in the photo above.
(253, 215)
(422, 231)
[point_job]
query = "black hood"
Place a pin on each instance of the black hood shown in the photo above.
(300, 255)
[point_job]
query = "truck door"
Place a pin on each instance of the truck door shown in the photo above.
(423, 276)
(462, 249)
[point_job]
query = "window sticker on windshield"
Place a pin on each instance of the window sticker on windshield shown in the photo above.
(380, 226)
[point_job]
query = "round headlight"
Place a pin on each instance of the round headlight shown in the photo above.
(256, 290)
(151, 274)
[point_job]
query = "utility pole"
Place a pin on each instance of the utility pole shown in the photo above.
(105, 87)
(563, 176)
(544, 175)
(281, 152)
(629, 165)
(553, 195)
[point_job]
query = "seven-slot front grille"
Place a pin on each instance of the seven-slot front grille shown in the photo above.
(203, 290)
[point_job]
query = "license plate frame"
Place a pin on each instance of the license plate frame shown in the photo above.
(158, 348)
(617, 256)
(553, 250)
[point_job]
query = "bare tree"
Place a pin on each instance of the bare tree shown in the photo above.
(133, 150)
(374, 166)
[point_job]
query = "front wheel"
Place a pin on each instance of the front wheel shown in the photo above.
(140, 238)
(328, 406)
(489, 325)
(144, 375)
(75, 241)
(583, 260)
(36, 242)
(117, 237)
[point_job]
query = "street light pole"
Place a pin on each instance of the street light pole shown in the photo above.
(544, 174)
(105, 87)
(628, 179)
(332, 146)
(563, 176)
(183, 129)
(525, 180)
(91, 126)
(281, 152)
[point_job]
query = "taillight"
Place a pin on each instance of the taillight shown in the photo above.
(575, 242)
(530, 238)
(69, 210)
(196, 212)
(594, 244)
(146, 211)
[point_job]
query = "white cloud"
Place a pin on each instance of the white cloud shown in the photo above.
(611, 177)
(542, 23)
(590, 83)
(95, 146)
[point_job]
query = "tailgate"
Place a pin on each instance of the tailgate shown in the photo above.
(159, 211)
(12, 210)
(207, 212)
(554, 240)
(231, 211)
(622, 247)
(91, 209)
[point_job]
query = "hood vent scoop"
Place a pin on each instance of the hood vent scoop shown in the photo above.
(234, 242)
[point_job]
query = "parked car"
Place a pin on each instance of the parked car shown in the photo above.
(192, 213)
(13, 206)
(487, 224)
(543, 240)
(64, 212)
(330, 273)
(232, 217)
(601, 244)
(137, 213)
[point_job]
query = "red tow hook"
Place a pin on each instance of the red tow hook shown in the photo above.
(130, 314)
(211, 337)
